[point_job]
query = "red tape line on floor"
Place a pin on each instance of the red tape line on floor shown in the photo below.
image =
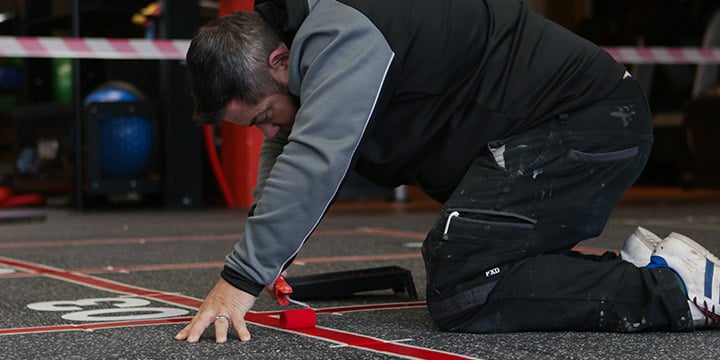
(267, 319)
(98, 283)
(160, 239)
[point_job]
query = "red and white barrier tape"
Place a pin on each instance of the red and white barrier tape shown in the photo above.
(104, 48)
(665, 55)
(93, 48)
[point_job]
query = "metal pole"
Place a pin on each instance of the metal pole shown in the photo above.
(77, 102)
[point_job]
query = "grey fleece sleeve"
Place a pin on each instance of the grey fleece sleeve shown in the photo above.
(339, 62)
(271, 149)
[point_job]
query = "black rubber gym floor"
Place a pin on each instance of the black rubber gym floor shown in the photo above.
(120, 285)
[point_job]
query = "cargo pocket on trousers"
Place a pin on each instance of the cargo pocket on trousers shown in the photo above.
(473, 243)
(604, 156)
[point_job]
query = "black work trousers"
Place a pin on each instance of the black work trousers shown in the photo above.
(499, 258)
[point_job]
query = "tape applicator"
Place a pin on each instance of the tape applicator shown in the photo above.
(294, 318)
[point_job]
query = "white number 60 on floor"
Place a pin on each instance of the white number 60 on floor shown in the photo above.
(124, 308)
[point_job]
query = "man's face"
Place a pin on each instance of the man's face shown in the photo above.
(271, 114)
(274, 112)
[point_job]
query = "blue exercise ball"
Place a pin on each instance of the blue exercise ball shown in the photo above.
(126, 144)
(126, 140)
(114, 91)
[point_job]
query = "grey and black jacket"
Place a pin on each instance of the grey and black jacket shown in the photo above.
(404, 92)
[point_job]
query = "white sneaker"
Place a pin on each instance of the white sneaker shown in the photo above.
(699, 270)
(639, 247)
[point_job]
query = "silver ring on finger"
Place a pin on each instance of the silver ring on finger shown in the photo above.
(221, 316)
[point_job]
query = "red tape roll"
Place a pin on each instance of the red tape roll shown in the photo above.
(298, 319)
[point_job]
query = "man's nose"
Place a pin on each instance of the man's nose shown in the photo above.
(269, 130)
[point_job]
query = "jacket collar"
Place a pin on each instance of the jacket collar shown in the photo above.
(285, 16)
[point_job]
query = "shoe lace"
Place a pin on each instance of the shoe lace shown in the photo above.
(712, 319)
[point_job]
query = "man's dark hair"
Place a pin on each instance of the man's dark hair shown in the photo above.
(227, 60)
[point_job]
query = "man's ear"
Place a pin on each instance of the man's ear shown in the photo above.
(278, 61)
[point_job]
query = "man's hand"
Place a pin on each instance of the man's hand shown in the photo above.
(224, 306)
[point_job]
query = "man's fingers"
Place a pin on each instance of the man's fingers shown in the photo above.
(202, 321)
(222, 325)
(192, 332)
(183, 334)
(241, 329)
(225, 306)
